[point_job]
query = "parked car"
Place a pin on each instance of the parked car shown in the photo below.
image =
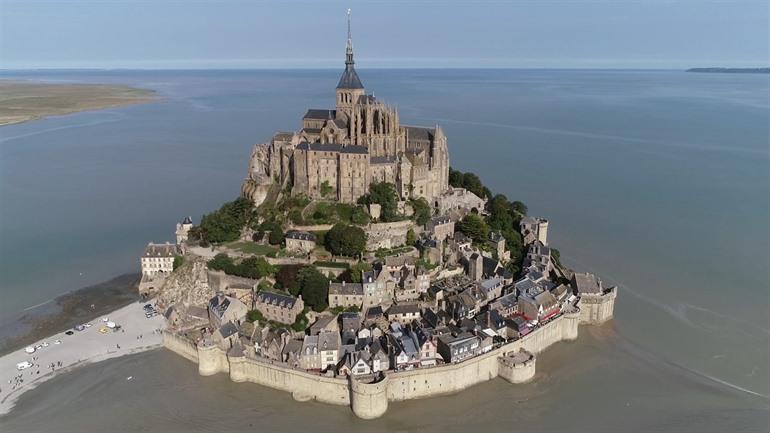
(23, 365)
(80, 327)
(70, 332)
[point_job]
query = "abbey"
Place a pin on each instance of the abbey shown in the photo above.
(339, 152)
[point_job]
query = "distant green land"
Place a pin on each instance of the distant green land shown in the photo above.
(731, 70)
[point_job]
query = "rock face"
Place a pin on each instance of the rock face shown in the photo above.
(257, 183)
(188, 285)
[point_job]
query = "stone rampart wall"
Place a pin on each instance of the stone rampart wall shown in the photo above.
(181, 346)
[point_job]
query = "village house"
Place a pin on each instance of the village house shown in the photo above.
(328, 348)
(223, 309)
(309, 358)
(492, 288)
(456, 348)
(346, 295)
(300, 242)
(404, 313)
(534, 229)
(539, 255)
(278, 307)
(378, 286)
(539, 307)
(324, 324)
(441, 227)
(497, 243)
(506, 305)
(292, 353)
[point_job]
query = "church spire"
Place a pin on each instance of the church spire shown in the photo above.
(349, 79)
(349, 50)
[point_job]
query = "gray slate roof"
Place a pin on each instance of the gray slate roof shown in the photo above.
(320, 114)
(284, 301)
(419, 133)
(349, 79)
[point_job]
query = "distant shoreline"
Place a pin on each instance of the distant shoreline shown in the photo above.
(25, 101)
(731, 70)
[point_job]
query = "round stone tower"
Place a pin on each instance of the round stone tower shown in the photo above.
(517, 367)
(208, 359)
(369, 396)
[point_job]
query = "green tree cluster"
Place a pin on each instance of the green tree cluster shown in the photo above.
(313, 286)
(469, 181)
(178, 261)
(225, 224)
(300, 322)
(422, 211)
(473, 226)
(384, 194)
(345, 240)
(254, 316)
(252, 267)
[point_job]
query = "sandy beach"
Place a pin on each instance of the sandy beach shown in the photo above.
(137, 333)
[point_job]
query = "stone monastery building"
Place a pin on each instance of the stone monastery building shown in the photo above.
(339, 152)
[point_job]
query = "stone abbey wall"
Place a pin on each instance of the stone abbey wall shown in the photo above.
(369, 399)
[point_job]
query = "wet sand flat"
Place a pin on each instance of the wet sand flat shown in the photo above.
(24, 101)
(93, 344)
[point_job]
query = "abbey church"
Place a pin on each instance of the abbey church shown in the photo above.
(339, 152)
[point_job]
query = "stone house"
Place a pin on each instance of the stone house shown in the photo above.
(534, 229)
(328, 348)
(299, 241)
(309, 358)
(540, 306)
(456, 348)
(272, 343)
(404, 313)
(380, 354)
(507, 305)
(158, 259)
(324, 324)
(426, 346)
(278, 307)
(346, 295)
(183, 230)
(441, 227)
(459, 198)
(378, 286)
(222, 309)
(497, 243)
(292, 353)
(492, 288)
(539, 256)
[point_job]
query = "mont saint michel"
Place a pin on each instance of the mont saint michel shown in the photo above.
(359, 269)
(245, 216)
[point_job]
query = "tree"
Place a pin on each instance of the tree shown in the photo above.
(287, 278)
(474, 227)
(178, 261)
(314, 287)
(300, 322)
(411, 238)
(254, 267)
(520, 207)
(326, 189)
(254, 316)
(357, 269)
(384, 194)
(225, 224)
(422, 211)
(221, 262)
(346, 240)
(276, 236)
(359, 216)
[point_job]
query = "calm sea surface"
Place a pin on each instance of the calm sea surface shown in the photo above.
(658, 181)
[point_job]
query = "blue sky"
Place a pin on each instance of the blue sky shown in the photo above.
(386, 33)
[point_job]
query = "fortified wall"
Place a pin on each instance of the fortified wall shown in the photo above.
(368, 397)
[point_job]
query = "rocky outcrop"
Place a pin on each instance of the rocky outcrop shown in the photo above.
(258, 181)
(188, 285)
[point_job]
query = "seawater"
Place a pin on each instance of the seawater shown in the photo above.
(658, 181)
